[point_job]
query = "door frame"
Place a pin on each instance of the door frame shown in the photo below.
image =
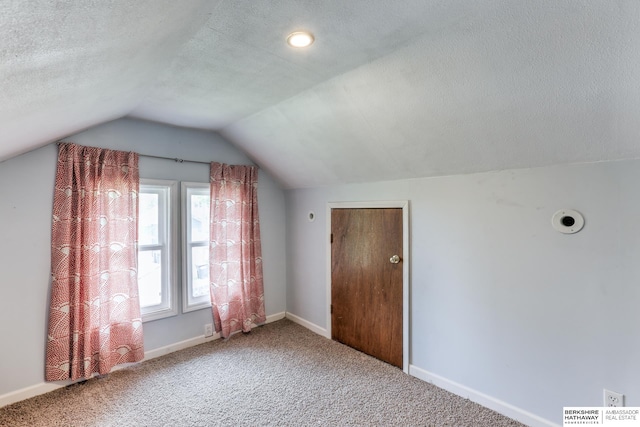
(404, 205)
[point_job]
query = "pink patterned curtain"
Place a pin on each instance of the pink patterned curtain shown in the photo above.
(235, 255)
(94, 314)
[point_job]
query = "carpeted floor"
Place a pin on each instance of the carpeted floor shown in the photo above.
(278, 375)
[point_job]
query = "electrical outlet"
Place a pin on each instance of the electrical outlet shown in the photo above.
(208, 330)
(613, 399)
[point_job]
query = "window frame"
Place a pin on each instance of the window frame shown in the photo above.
(186, 190)
(167, 204)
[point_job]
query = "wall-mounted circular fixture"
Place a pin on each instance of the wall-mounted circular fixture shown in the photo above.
(300, 39)
(311, 216)
(567, 221)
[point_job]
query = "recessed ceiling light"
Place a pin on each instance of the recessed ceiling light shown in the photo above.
(300, 39)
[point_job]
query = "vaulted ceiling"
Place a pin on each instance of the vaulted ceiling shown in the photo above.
(389, 90)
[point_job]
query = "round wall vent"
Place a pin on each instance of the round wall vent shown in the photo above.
(567, 221)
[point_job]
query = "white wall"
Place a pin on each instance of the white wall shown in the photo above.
(501, 303)
(26, 196)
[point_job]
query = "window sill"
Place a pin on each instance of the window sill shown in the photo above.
(196, 307)
(159, 314)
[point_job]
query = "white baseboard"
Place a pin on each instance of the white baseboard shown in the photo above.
(497, 405)
(28, 392)
(311, 326)
(46, 387)
(276, 317)
(161, 351)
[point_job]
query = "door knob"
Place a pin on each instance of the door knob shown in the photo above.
(394, 259)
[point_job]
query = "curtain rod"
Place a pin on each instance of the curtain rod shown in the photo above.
(175, 159)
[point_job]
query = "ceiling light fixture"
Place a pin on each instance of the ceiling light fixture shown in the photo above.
(300, 39)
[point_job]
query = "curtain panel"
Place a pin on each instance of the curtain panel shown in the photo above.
(94, 313)
(235, 254)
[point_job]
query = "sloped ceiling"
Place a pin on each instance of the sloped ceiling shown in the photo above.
(390, 90)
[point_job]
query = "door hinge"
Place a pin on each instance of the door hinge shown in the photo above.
(331, 237)
(331, 308)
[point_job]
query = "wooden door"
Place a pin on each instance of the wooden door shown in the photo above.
(366, 286)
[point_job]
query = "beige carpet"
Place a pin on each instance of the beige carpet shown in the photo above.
(278, 375)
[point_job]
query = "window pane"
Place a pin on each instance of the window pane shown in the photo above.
(148, 219)
(150, 277)
(199, 271)
(199, 218)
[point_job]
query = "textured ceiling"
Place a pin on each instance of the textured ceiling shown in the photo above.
(389, 90)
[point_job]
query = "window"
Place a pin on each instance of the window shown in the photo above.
(156, 254)
(195, 235)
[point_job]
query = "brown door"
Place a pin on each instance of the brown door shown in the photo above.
(366, 283)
